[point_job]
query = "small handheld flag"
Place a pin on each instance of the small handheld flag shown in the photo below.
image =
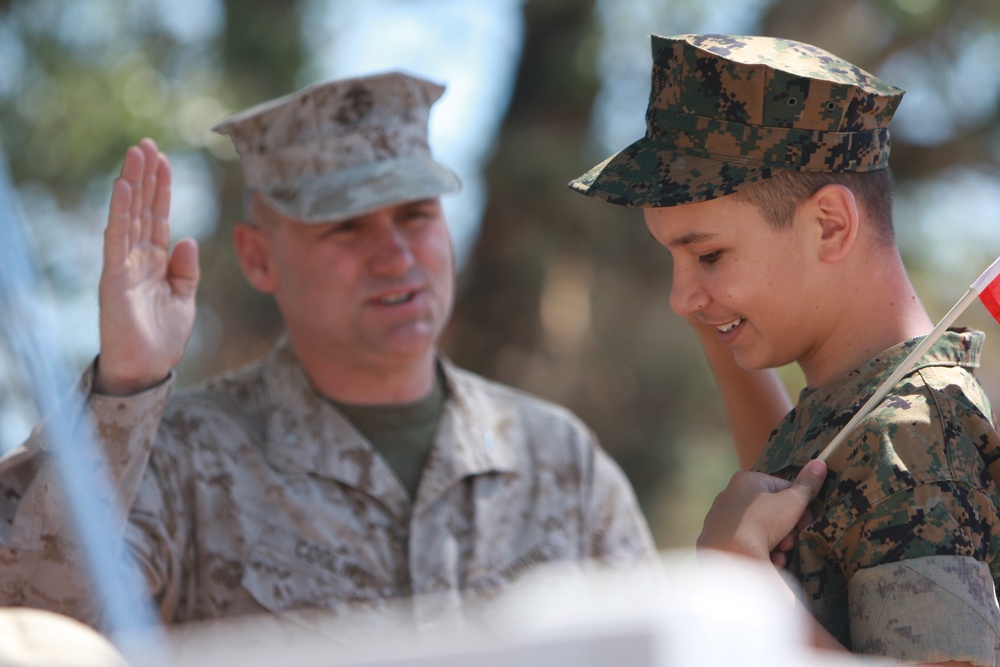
(986, 288)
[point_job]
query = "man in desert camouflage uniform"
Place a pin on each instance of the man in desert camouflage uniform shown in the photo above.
(353, 465)
(764, 172)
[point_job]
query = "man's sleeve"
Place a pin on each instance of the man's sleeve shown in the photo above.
(42, 564)
(619, 533)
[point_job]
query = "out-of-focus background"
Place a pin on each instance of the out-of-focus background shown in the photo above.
(558, 294)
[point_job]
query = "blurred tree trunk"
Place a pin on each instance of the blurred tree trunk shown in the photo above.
(498, 302)
(566, 296)
(262, 54)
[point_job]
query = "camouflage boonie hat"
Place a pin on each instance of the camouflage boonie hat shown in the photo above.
(726, 111)
(341, 149)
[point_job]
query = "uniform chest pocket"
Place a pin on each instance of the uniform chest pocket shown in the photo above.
(489, 584)
(285, 572)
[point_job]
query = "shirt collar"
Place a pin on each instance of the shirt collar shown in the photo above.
(307, 434)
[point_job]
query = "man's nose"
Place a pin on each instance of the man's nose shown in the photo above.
(392, 254)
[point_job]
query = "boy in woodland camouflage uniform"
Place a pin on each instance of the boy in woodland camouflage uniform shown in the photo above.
(764, 172)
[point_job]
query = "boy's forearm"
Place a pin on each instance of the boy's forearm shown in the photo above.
(755, 401)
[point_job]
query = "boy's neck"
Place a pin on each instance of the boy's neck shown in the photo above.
(878, 311)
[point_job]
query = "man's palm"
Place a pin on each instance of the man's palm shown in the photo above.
(147, 294)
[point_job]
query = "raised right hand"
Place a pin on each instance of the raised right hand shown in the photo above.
(146, 294)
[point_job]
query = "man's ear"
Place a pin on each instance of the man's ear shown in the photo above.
(253, 249)
(836, 214)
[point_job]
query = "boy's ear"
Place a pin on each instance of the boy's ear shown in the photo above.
(253, 249)
(836, 214)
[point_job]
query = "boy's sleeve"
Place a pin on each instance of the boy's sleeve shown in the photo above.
(922, 558)
(927, 610)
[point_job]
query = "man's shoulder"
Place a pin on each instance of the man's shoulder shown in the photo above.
(234, 391)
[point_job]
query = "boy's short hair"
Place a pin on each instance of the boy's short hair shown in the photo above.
(777, 197)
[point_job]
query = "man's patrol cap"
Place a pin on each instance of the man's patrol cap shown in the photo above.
(726, 111)
(344, 148)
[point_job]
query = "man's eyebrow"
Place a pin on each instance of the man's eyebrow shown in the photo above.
(688, 239)
(420, 202)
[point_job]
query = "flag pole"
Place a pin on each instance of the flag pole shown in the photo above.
(971, 295)
(127, 612)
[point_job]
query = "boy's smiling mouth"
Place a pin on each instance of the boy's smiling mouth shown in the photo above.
(729, 326)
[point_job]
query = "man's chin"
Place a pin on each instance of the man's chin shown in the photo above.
(412, 342)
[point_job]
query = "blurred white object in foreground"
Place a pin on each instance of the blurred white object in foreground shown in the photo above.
(36, 638)
(689, 610)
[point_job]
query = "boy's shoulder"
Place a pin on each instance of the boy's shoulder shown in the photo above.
(940, 392)
(932, 438)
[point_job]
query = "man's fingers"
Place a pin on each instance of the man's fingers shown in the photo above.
(150, 167)
(116, 233)
(183, 271)
(131, 177)
(140, 202)
(132, 171)
(160, 211)
(132, 165)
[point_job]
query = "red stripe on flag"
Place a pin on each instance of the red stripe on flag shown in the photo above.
(987, 286)
(990, 296)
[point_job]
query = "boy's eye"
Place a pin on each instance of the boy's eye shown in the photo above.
(710, 257)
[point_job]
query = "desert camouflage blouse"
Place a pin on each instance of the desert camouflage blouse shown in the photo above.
(252, 494)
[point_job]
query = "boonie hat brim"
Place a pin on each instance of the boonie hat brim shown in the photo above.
(645, 174)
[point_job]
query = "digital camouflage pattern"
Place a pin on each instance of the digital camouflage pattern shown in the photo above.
(912, 484)
(726, 111)
(258, 496)
(912, 590)
(341, 149)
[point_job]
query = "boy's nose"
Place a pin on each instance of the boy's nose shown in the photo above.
(687, 294)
